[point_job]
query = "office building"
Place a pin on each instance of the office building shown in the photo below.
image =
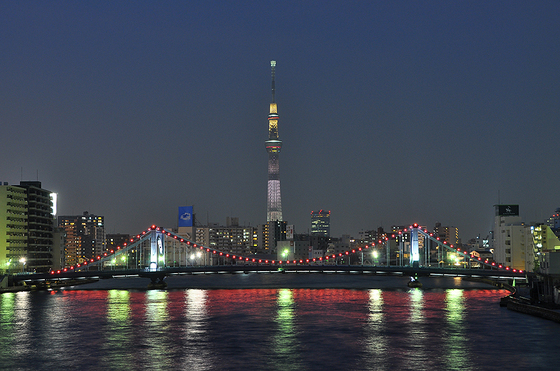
(26, 227)
(321, 223)
(84, 237)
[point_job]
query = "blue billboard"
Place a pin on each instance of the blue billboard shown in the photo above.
(185, 216)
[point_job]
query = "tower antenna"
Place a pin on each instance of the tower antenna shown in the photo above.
(273, 68)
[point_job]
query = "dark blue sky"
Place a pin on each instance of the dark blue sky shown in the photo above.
(390, 112)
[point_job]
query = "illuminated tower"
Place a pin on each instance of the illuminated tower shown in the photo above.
(273, 147)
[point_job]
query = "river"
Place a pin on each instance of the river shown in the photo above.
(457, 326)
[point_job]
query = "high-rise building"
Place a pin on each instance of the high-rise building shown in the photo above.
(321, 223)
(26, 227)
(447, 233)
(273, 147)
(85, 237)
(232, 238)
(512, 238)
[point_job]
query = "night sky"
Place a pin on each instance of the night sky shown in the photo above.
(391, 112)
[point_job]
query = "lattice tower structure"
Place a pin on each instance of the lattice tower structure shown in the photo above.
(273, 147)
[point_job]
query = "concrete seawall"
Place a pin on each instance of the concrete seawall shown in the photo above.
(533, 310)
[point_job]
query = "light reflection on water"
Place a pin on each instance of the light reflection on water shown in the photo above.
(285, 346)
(285, 329)
(456, 346)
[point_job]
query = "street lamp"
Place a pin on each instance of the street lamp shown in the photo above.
(375, 255)
(22, 261)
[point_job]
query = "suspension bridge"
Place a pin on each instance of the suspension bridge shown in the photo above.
(157, 253)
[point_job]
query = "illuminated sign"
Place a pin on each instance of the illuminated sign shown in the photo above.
(54, 199)
(185, 216)
(290, 232)
(508, 210)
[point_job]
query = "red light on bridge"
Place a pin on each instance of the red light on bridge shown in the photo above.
(300, 261)
(307, 260)
(52, 272)
(112, 252)
(65, 269)
(345, 253)
(99, 257)
(353, 251)
(493, 263)
(500, 266)
(207, 250)
(85, 263)
(415, 225)
(321, 259)
(520, 271)
(213, 252)
(314, 259)
(253, 260)
(280, 262)
(57, 271)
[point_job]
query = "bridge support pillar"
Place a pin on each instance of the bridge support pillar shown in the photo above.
(157, 252)
(414, 252)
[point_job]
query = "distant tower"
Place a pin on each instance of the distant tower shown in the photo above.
(273, 147)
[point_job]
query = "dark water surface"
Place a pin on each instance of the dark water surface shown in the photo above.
(272, 329)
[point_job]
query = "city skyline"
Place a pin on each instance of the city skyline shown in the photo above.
(391, 113)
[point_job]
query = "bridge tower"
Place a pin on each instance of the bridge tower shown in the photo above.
(157, 253)
(273, 147)
(414, 252)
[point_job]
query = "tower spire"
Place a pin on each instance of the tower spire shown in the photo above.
(273, 71)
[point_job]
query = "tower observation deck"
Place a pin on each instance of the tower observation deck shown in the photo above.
(273, 147)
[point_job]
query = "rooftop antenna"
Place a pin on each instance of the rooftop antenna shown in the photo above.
(273, 68)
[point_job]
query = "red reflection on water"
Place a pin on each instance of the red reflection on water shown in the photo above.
(250, 301)
(93, 304)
